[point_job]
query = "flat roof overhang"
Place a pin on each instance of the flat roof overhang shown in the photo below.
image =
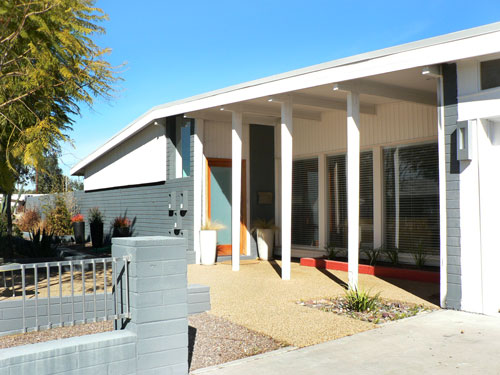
(316, 80)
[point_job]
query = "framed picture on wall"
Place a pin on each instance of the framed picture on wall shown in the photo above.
(265, 197)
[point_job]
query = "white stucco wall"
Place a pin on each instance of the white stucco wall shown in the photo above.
(479, 187)
(141, 159)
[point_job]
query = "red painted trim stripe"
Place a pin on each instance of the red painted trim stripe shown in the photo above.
(379, 271)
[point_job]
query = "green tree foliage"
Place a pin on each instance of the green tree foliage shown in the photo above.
(59, 218)
(51, 179)
(49, 67)
(75, 185)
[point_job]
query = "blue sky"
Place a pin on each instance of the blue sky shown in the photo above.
(176, 49)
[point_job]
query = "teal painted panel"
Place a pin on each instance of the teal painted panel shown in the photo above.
(220, 201)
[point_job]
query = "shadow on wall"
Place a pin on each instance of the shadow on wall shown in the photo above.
(120, 226)
(191, 341)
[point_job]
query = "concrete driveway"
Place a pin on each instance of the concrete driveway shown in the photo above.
(441, 342)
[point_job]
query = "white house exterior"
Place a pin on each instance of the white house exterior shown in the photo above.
(397, 147)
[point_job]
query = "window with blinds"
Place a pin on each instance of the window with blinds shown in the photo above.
(411, 176)
(337, 199)
(305, 203)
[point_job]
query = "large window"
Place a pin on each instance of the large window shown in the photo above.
(490, 74)
(337, 200)
(305, 203)
(411, 176)
(180, 132)
(186, 132)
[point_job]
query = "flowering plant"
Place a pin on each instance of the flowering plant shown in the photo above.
(121, 222)
(95, 215)
(78, 218)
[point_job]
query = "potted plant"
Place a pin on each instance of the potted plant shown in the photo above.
(208, 241)
(121, 226)
(96, 227)
(264, 230)
(78, 228)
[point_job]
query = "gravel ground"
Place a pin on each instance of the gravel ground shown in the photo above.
(214, 340)
(384, 311)
(257, 298)
(54, 334)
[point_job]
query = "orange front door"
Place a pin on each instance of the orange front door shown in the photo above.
(219, 203)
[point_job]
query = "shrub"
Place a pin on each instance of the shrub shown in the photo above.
(419, 256)
(16, 232)
(360, 300)
(121, 222)
(212, 225)
(393, 255)
(263, 224)
(95, 216)
(59, 218)
(29, 220)
(372, 255)
(42, 243)
(333, 252)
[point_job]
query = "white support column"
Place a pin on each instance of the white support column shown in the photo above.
(286, 186)
(353, 150)
(198, 184)
(378, 198)
(236, 137)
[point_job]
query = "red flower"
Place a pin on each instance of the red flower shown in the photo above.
(121, 222)
(77, 218)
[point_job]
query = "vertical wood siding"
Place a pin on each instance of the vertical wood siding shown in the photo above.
(394, 122)
(217, 140)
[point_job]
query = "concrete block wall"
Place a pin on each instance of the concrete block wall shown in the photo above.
(158, 302)
(154, 340)
(102, 353)
(11, 311)
(198, 298)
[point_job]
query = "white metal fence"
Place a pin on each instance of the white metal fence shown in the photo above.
(51, 291)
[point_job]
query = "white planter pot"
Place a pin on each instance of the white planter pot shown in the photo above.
(208, 246)
(265, 242)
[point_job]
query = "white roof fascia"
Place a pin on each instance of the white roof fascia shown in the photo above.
(465, 44)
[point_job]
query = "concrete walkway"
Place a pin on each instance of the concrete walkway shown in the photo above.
(441, 342)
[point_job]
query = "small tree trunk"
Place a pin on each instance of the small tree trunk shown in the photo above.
(8, 213)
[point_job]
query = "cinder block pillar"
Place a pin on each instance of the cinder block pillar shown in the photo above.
(158, 302)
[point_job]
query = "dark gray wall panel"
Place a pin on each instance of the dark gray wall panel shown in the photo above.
(454, 294)
(261, 174)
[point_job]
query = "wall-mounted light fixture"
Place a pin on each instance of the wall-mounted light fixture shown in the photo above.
(464, 140)
(432, 71)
